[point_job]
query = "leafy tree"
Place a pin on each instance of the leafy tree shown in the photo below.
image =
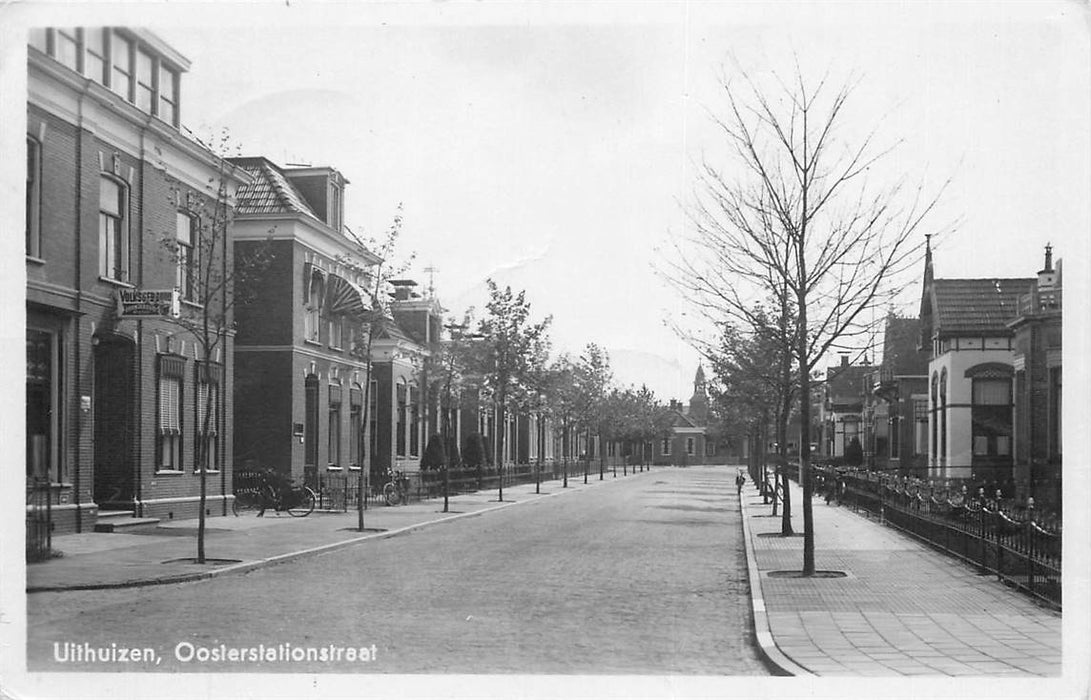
(510, 340)
(473, 451)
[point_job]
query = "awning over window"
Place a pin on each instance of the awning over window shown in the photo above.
(344, 297)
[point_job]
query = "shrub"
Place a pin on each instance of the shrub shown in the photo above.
(453, 455)
(473, 451)
(854, 454)
(434, 455)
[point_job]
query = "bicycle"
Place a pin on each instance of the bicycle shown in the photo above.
(273, 490)
(396, 491)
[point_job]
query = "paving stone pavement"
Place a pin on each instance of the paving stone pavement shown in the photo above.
(902, 608)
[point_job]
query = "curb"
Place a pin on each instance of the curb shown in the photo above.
(247, 566)
(780, 661)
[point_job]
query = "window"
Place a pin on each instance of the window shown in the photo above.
(991, 423)
(66, 47)
(710, 448)
(403, 409)
(171, 370)
(310, 426)
(121, 62)
(935, 417)
(113, 230)
(337, 324)
(145, 87)
(94, 57)
(168, 96)
(373, 420)
(207, 447)
(43, 404)
(414, 422)
(312, 312)
(689, 445)
(34, 198)
(334, 218)
(334, 444)
(188, 234)
(665, 447)
(943, 416)
(356, 404)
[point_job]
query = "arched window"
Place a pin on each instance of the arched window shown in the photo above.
(414, 421)
(310, 417)
(935, 418)
(943, 416)
(34, 198)
(356, 405)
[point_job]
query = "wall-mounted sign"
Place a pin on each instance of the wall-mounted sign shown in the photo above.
(145, 303)
(297, 429)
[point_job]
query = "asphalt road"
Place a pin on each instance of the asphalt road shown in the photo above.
(642, 576)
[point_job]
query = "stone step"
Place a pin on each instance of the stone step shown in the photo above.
(122, 521)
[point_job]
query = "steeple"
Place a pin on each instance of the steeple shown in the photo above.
(698, 403)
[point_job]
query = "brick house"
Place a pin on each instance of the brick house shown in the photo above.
(300, 370)
(842, 409)
(965, 324)
(687, 438)
(118, 198)
(1037, 389)
(899, 388)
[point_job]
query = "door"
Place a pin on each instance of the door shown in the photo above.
(113, 416)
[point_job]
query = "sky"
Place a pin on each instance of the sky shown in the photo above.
(552, 147)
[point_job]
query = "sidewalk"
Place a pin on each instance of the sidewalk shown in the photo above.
(902, 609)
(116, 560)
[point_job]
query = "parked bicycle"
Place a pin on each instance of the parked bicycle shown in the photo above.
(269, 489)
(396, 491)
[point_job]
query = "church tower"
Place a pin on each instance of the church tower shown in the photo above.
(698, 403)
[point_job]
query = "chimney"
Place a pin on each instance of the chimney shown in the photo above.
(1047, 280)
(844, 359)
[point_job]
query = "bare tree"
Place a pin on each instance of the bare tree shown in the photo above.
(378, 315)
(797, 214)
(210, 281)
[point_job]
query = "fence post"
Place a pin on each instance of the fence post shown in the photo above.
(1030, 543)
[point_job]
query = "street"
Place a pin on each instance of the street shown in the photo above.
(642, 576)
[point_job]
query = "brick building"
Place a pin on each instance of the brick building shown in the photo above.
(300, 364)
(688, 439)
(899, 392)
(842, 409)
(118, 200)
(1037, 389)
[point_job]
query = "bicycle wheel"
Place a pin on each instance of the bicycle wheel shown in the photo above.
(301, 502)
(392, 495)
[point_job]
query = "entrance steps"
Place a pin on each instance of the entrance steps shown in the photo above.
(122, 521)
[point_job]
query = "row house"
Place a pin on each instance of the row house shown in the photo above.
(125, 227)
(301, 363)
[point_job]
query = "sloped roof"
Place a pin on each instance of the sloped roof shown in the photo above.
(976, 305)
(388, 329)
(900, 353)
(270, 192)
(846, 381)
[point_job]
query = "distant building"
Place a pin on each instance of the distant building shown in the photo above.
(119, 205)
(688, 438)
(899, 390)
(842, 410)
(965, 323)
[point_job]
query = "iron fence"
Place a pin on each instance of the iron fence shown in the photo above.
(1009, 539)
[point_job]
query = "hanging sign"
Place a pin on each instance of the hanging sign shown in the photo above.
(147, 303)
